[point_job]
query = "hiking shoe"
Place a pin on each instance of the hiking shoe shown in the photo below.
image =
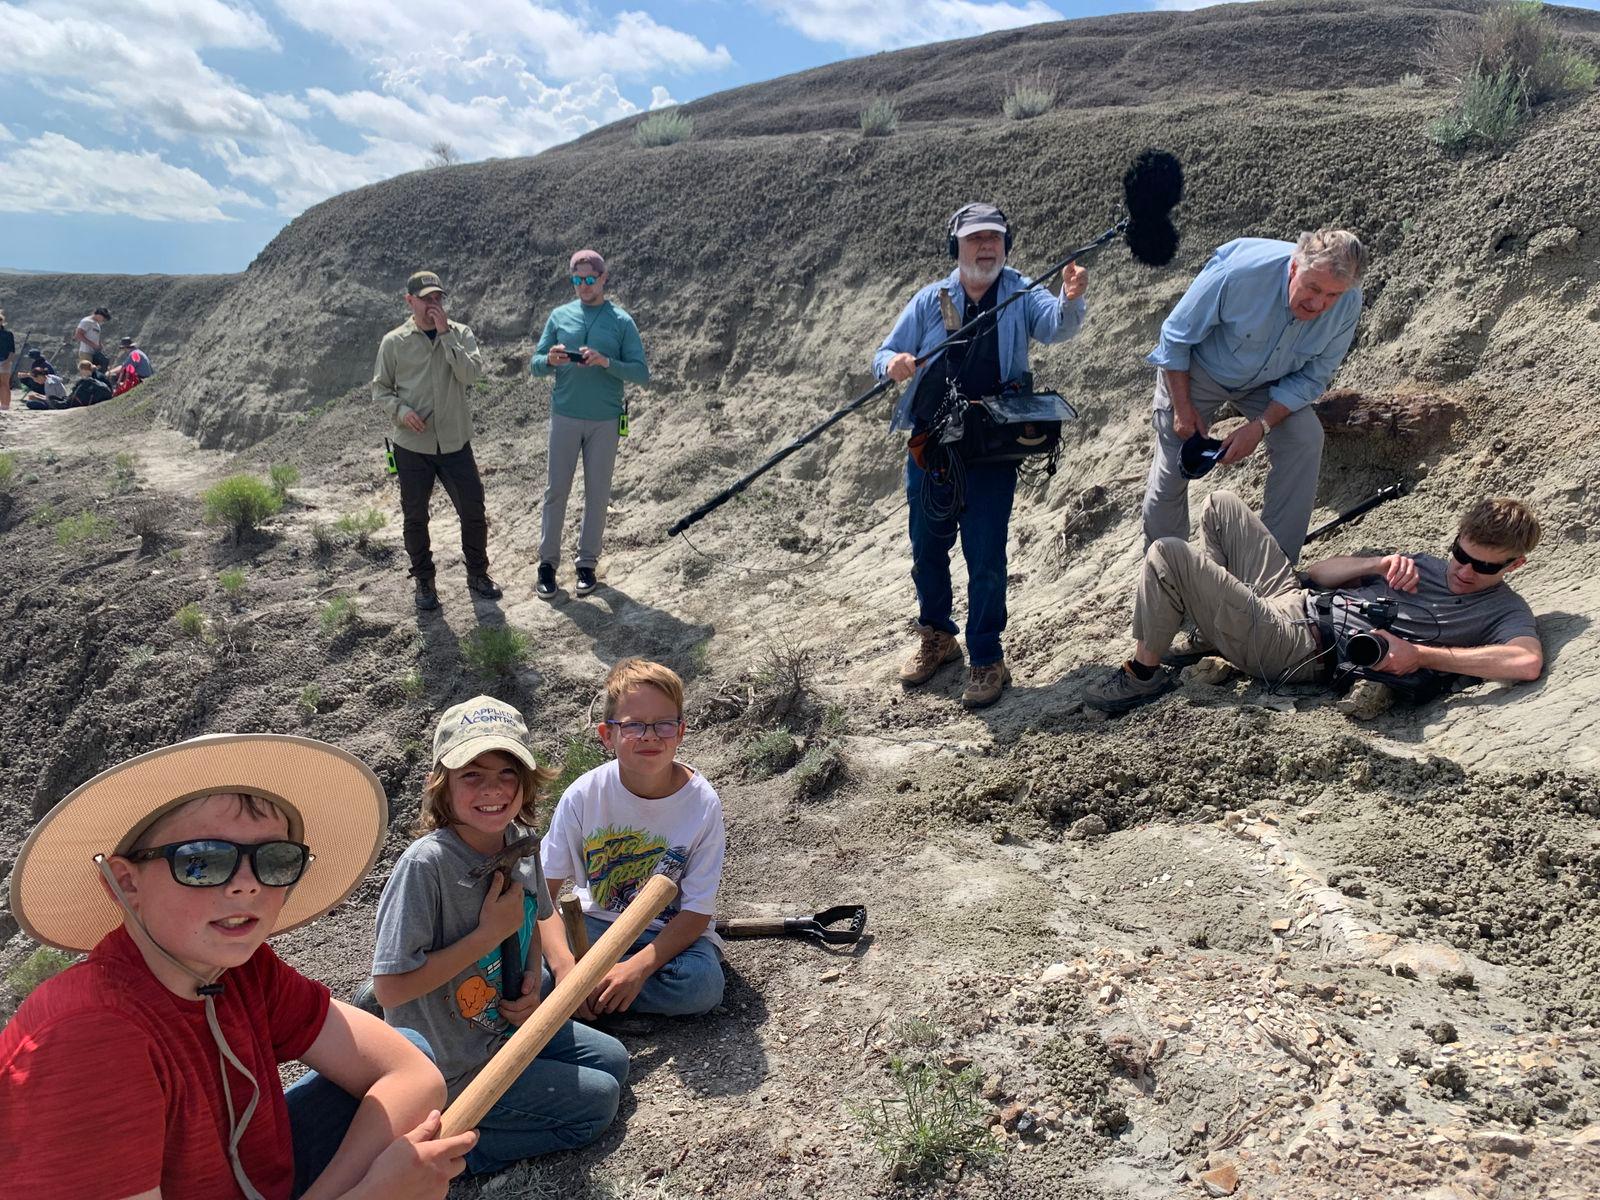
(985, 686)
(366, 999)
(547, 580)
(427, 599)
(483, 586)
(1189, 647)
(586, 581)
(936, 649)
(1122, 690)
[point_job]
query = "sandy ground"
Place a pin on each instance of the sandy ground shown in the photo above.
(1230, 929)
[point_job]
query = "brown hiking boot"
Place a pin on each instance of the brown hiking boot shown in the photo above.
(937, 648)
(986, 684)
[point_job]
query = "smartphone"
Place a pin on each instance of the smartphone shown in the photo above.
(575, 355)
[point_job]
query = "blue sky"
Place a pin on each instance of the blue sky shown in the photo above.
(181, 135)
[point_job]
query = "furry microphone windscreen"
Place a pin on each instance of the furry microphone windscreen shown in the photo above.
(1153, 185)
(1153, 240)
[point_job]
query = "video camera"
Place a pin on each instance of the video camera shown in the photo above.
(1369, 647)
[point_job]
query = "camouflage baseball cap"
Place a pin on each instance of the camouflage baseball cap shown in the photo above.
(424, 283)
(481, 724)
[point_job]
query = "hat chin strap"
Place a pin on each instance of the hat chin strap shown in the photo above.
(207, 989)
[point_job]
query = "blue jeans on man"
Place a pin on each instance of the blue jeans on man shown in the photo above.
(983, 522)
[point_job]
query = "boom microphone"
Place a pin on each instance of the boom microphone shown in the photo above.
(1151, 189)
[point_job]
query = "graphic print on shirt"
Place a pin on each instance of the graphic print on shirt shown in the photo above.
(477, 996)
(620, 859)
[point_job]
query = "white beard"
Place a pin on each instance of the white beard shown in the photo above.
(978, 277)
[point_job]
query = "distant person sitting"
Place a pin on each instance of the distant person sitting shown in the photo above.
(89, 338)
(593, 347)
(8, 358)
(133, 369)
(37, 359)
(44, 390)
(1414, 613)
(91, 388)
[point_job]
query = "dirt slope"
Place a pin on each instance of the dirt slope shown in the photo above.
(1281, 895)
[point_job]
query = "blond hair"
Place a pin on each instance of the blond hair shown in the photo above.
(1502, 523)
(533, 784)
(641, 672)
(1338, 250)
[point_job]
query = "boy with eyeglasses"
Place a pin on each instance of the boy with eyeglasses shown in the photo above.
(592, 347)
(610, 831)
(150, 1069)
(1454, 615)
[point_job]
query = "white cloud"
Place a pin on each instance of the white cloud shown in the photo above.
(887, 24)
(660, 98)
(7, 136)
(55, 174)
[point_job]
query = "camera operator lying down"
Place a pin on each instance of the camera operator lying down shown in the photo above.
(1393, 618)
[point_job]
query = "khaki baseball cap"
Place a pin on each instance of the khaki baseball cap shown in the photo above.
(424, 283)
(482, 723)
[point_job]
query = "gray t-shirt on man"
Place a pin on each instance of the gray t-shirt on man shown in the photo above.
(431, 902)
(1433, 614)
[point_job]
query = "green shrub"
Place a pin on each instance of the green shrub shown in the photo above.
(124, 472)
(191, 621)
(935, 1119)
(412, 684)
(360, 526)
(8, 468)
(36, 968)
(1030, 98)
(336, 612)
(816, 770)
(770, 753)
(310, 700)
(85, 527)
(241, 503)
(152, 523)
(581, 756)
(1487, 113)
(495, 649)
(665, 128)
(232, 581)
(1518, 39)
(324, 538)
(283, 477)
(879, 118)
(1412, 81)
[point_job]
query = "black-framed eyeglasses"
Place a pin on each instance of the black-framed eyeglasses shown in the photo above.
(1477, 564)
(591, 280)
(212, 862)
(634, 730)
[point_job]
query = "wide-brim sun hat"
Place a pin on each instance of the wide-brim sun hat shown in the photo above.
(333, 801)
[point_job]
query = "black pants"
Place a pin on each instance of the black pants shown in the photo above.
(459, 474)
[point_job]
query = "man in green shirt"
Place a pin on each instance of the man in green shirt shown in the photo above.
(424, 369)
(592, 347)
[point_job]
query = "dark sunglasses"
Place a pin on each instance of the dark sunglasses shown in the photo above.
(1477, 564)
(634, 730)
(591, 280)
(212, 862)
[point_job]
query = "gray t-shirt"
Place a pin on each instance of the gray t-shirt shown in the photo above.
(431, 902)
(1435, 615)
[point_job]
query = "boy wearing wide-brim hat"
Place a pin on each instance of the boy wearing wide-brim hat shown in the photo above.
(151, 1068)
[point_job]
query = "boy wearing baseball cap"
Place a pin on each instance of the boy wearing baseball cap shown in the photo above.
(161, 1048)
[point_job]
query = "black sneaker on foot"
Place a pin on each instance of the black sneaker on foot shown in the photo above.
(586, 581)
(484, 586)
(426, 598)
(547, 580)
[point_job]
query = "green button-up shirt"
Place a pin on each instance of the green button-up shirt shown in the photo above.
(429, 377)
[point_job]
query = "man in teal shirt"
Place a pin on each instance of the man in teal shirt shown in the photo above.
(592, 347)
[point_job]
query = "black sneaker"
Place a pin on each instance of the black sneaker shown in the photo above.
(547, 580)
(483, 586)
(426, 598)
(586, 581)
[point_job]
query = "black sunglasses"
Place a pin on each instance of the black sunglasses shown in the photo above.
(212, 862)
(1477, 564)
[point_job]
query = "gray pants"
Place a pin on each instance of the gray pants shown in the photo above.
(1239, 590)
(596, 442)
(1294, 454)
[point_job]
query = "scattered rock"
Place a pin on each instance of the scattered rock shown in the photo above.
(1457, 981)
(1010, 1115)
(1366, 700)
(1055, 973)
(1499, 1141)
(993, 1088)
(1221, 1181)
(1442, 1032)
(1110, 1119)
(1211, 671)
(1093, 825)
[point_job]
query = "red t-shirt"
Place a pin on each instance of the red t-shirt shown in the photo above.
(110, 1084)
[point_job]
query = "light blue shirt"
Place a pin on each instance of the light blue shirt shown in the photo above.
(1235, 322)
(920, 327)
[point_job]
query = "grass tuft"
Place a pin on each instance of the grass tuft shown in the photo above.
(310, 701)
(1030, 98)
(1488, 111)
(124, 472)
(360, 526)
(495, 649)
(581, 756)
(232, 582)
(411, 684)
(191, 621)
(770, 753)
(241, 503)
(85, 527)
(335, 613)
(42, 964)
(8, 469)
(879, 118)
(666, 128)
(935, 1119)
(283, 477)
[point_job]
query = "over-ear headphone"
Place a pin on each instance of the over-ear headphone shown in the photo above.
(952, 243)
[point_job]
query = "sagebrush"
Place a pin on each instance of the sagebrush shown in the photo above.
(664, 129)
(879, 118)
(240, 504)
(1030, 97)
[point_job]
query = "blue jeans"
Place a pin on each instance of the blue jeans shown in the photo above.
(983, 523)
(320, 1113)
(687, 986)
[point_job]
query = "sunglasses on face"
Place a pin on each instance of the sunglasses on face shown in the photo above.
(212, 862)
(634, 730)
(591, 280)
(1477, 564)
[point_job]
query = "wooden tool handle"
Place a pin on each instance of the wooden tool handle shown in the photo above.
(544, 1022)
(577, 928)
(753, 927)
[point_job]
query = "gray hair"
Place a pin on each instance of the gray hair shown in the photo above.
(1337, 250)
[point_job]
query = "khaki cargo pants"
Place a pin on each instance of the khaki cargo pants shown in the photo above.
(1238, 589)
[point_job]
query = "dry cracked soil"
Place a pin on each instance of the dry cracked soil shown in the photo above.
(1239, 938)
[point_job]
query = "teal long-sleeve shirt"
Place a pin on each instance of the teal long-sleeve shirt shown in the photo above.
(591, 393)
